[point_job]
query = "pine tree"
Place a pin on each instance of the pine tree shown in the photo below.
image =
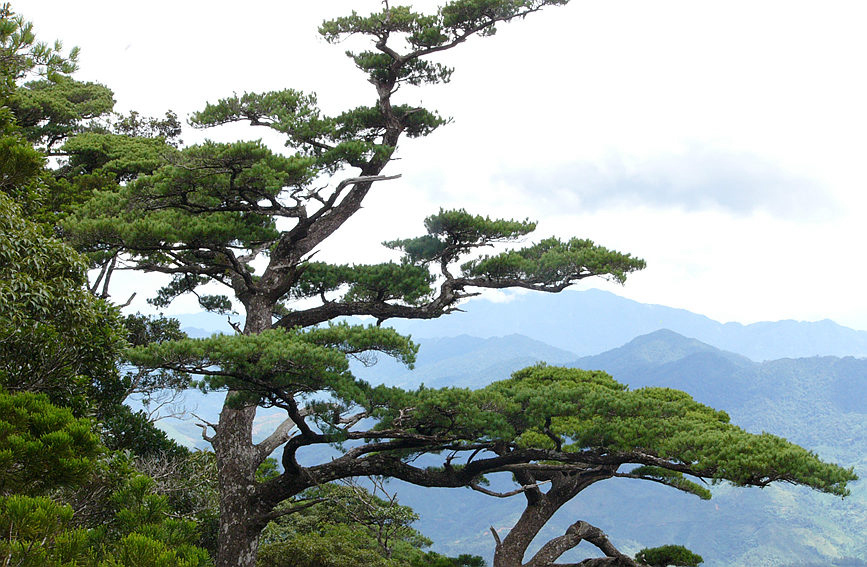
(251, 220)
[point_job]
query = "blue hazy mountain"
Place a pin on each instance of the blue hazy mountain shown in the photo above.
(593, 321)
(467, 361)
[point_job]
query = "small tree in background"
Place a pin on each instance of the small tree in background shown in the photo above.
(668, 555)
(349, 525)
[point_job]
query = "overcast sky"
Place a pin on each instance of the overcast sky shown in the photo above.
(723, 142)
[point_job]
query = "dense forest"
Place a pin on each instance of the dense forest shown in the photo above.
(85, 192)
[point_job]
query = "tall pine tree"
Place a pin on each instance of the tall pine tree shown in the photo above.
(243, 217)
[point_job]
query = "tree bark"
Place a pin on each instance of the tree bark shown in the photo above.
(541, 506)
(575, 534)
(237, 461)
(238, 537)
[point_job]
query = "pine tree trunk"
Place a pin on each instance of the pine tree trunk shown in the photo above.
(237, 540)
(541, 507)
(510, 553)
(237, 460)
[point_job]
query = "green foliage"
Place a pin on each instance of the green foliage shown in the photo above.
(36, 532)
(670, 478)
(452, 23)
(328, 142)
(294, 112)
(102, 155)
(456, 232)
(348, 138)
(50, 111)
(140, 534)
(46, 449)
(146, 329)
(579, 411)
(58, 339)
(21, 54)
(139, 550)
(128, 430)
(668, 555)
(346, 526)
(123, 157)
(337, 547)
(552, 260)
(42, 446)
(91, 497)
(55, 337)
(214, 176)
(20, 164)
(137, 126)
(42, 111)
(549, 264)
(416, 72)
(200, 208)
(366, 283)
(276, 365)
(188, 483)
(267, 470)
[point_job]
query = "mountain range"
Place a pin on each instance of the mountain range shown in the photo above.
(593, 321)
(802, 381)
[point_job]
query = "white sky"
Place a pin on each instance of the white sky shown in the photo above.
(723, 142)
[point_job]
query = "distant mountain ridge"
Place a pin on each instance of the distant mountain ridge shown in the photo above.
(593, 321)
(471, 362)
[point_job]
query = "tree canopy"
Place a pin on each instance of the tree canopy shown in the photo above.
(249, 219)
(61, 389)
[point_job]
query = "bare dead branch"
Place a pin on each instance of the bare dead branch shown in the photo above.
(277, 438)
(520, 490)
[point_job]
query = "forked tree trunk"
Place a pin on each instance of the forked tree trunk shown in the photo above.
(541, 507)
(510, 552)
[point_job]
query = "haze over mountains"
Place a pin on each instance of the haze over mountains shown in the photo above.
(593, 321)
(802, 381)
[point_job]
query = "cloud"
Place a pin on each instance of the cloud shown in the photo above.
(739, 183)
